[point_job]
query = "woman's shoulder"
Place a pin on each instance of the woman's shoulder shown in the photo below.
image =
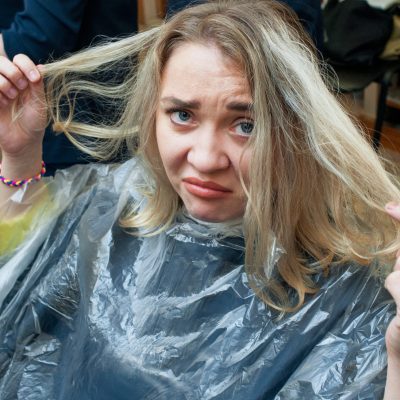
(115, 177)
(350, 288)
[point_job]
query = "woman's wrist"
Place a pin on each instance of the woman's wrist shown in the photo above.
(392, 389)
(21, 166)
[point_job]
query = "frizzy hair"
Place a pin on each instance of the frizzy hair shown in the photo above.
(315, 184)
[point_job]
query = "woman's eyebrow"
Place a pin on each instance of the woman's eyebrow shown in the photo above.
(194, 104)
(240, 106)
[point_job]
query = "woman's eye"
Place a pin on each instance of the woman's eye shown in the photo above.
(244, 128)
(180, 117)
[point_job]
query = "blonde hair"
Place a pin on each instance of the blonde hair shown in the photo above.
(315, 184)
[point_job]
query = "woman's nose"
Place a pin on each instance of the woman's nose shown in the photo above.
(207, 152)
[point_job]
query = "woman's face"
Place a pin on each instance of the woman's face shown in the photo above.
(203, 123)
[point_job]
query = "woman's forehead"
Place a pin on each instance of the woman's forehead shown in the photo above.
(198, 68)
(196, 51)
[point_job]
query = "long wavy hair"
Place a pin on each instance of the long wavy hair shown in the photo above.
(315, 184)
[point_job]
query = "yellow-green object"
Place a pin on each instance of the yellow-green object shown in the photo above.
(13, 231)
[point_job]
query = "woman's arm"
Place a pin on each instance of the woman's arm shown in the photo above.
(22, 122)
(392, 391)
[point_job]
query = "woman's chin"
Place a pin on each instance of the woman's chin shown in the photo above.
(213, 217)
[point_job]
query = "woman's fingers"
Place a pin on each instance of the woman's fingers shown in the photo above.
(4, 101)
(7, 88)
(11, 79)
(13, 73)
(32, 73)
(392, 282)
(393, 285)
(27, 67)
(15, 76)
(393, 209)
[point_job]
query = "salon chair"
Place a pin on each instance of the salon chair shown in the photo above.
(357, 78)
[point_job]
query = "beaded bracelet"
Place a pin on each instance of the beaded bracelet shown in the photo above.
(14, 183)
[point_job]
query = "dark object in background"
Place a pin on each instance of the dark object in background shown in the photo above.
(174, 6)
(355, 32)
(310, 15)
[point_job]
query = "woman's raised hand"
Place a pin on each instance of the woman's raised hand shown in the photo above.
(22, 110)
(393, 331)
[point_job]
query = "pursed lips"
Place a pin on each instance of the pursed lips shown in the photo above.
(206, 184)
(205, 189)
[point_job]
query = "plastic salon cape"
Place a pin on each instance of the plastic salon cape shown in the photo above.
(96, 313)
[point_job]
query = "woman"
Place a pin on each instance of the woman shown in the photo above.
(130, 279)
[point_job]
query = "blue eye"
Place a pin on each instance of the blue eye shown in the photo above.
(244, 128)
(180, 117)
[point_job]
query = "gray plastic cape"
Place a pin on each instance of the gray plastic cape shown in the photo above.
(96, 313)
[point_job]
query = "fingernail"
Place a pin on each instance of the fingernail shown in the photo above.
(392, 206)
(33, 75)
(22, 83)
(12, 93)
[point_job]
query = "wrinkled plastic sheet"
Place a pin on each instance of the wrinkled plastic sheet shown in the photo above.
(97, 313)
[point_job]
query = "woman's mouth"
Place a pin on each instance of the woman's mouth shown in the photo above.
(205, 189)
